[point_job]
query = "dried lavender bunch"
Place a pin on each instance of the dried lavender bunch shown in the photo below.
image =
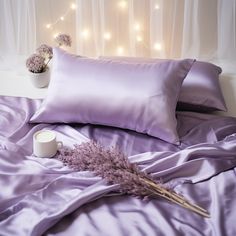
(112, 165)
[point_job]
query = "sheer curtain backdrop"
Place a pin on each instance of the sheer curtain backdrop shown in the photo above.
(204, 29)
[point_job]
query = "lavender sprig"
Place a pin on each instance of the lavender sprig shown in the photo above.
(112, 165)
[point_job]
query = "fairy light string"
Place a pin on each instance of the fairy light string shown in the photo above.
(63, 17)
(85, 33)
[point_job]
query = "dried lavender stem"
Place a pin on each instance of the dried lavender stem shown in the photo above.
(200, 208)
(183, 204)
(174, 197)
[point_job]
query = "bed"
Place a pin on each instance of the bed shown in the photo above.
(41, 196)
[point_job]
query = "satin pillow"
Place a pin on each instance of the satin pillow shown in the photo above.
(201, 89)
(140, 97)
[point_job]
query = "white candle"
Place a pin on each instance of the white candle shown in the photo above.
(45, 144)
(45, 136)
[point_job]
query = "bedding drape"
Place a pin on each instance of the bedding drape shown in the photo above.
(38, 193)
(157, 28)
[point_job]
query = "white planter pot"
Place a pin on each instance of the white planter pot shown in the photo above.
(40, 80)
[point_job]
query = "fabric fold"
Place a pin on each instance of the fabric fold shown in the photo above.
(42, 196)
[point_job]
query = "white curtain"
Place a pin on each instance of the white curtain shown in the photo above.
(17, 31)
(204, 29)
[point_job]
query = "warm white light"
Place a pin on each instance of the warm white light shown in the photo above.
(122, 4)
(62, 18)
(120, 50)
(157, 7)
(73, 6)
(55, 35)
(48, 26)
(158, 46)
(85, 33)
(107, 36)
(139, 38)
(137, 27)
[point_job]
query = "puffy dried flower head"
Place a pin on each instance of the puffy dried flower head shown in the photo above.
(45, 51)
(63, 40)
(36, 63)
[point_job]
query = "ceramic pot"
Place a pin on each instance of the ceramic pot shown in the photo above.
(40, 80)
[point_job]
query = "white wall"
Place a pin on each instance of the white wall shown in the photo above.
(228, 85)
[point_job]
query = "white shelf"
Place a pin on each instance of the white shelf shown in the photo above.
(19, 84)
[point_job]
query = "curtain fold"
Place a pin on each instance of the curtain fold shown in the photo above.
(17, 27)
(226, 29)
(147, 28)
(158, 28)
(17, 32)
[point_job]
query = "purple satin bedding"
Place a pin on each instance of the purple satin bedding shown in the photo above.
(43, 197)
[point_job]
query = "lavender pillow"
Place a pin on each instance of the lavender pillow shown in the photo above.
(201, 88)
(140, 97)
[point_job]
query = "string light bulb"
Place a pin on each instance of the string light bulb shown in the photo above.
(48, 26)
(85, 33)
(139, 38)
(73, 6)
(55, 35)
(158, 46)
(107, 36)
(157, 7)
(122, 4)
(62, 18)
(137, 27)
(120, 50)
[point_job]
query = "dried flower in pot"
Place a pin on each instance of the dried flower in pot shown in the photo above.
(39, 71)
(37, 63)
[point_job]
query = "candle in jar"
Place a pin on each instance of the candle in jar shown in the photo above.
(45, 136)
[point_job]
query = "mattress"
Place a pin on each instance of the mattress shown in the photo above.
(41, 196)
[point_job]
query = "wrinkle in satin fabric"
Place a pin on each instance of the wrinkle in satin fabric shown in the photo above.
(40, 196)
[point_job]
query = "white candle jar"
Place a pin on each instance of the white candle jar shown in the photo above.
(45, 143)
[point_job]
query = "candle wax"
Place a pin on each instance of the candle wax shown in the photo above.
(45, 136)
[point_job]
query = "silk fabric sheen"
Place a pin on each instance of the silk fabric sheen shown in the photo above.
(140, 97)
(201, 89)
(39, 196)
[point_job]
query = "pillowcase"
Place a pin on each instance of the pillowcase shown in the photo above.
(140, 97)
(201, 89)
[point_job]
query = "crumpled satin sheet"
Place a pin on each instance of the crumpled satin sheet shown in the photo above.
(40, 196)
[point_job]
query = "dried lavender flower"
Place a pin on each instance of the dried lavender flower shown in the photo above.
(63, 40)
(45, 51)
(112, 165)
(36, 63)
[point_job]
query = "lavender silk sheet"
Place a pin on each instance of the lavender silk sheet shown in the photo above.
(40, 196)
